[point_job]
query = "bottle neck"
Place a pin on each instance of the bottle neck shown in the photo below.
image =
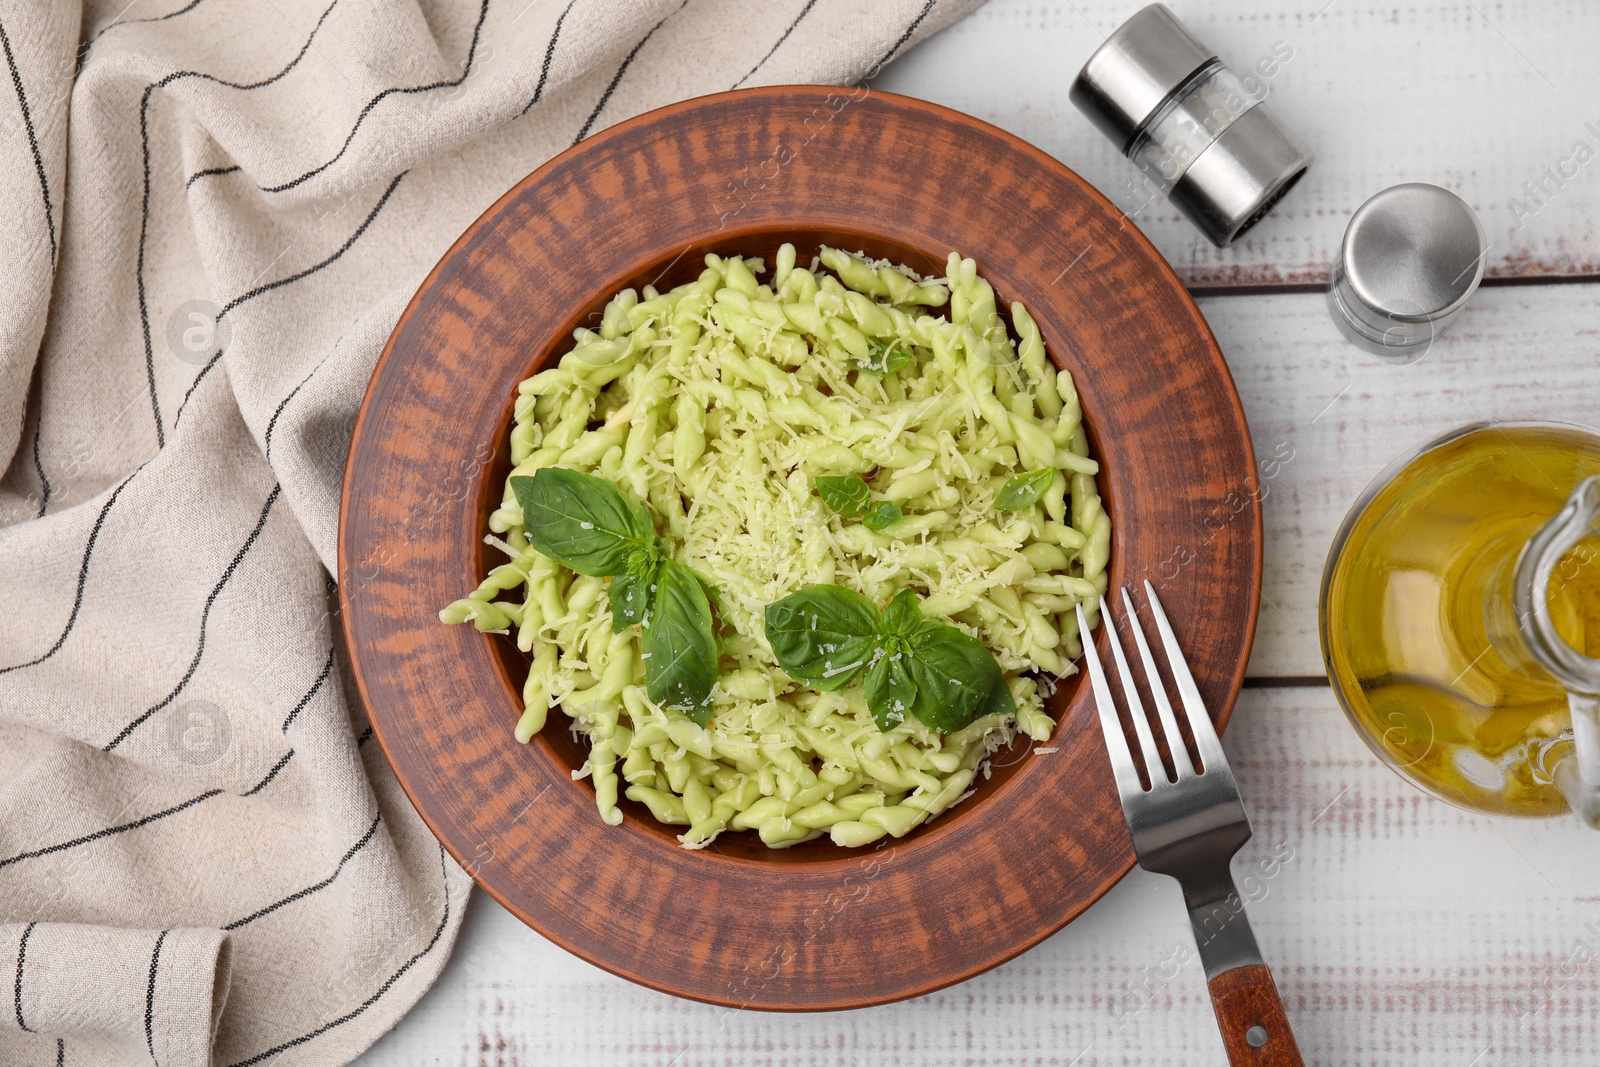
(1577, 774)
(1539, 565)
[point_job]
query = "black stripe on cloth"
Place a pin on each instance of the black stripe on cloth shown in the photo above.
(33, 139)
(272, 423)
(353, 238)
(144, 307)
(22, 956)
(61, 1045)
(150, 1000)
(212, 362)
(109, 831)
(549, 54)
(904, 37)
(144, 210)
(444, 920)
(276, 767)
(83, 575)
(205, 618)
(315, 887)
(38, 465)
(327, 668)
(779, 43)
(366, 735)
(190, 6)
(121, 828)
(466, 69)
(616, 78)
(211, 172)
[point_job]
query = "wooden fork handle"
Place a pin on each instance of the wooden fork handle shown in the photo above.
(1255, 1030)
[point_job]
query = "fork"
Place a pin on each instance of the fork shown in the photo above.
(1190, 828)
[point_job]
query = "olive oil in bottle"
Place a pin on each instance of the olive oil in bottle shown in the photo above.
(1423, 644)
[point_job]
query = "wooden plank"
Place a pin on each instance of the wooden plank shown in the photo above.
(1400, 929)
(1477, 97)
(1332, 417)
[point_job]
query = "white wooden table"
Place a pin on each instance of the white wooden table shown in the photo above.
(1401, 931)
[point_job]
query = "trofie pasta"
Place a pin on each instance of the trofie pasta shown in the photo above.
(826, 426)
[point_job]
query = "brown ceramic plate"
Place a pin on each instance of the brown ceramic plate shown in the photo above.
(813, 927)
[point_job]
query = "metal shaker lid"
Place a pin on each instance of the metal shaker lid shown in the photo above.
(1139, 68)
(1412, 256)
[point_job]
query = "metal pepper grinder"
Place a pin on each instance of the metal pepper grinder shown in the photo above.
(1189, 123)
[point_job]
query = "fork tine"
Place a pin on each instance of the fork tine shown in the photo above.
(1141, 721)
(1158, 692)
(1205, 735)
(1122, 768)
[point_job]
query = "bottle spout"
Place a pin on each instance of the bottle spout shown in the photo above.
(1578, 774)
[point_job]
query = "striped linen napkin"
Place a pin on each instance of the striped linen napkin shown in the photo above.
(215, 213)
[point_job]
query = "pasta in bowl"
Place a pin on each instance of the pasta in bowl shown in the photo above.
(870, 478)
(641, 204)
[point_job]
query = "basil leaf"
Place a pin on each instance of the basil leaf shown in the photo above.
(1000, 701)
(644, 527)
(680, 649)
(585, 523)
(891, 690)
(882, 515)
(1024, 489)
(845, 494)
(954, 673)
(580, 521)
(642, 562)
(902, 616)
(823, 635)
(883, 358)
(630, 599)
